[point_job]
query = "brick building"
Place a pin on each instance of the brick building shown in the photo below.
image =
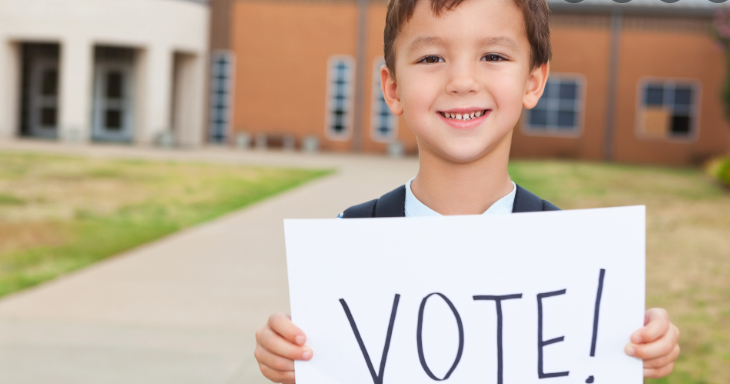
(635, 82)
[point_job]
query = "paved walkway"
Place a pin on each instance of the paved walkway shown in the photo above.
(183, 309)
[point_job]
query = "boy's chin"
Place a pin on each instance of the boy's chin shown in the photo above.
(464, 153)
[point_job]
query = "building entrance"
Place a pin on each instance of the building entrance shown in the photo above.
(113, 118)
(39, 90)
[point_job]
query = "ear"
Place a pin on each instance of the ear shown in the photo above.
(390, 91)
(535, 85)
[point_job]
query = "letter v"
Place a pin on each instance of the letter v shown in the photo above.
(377, 377)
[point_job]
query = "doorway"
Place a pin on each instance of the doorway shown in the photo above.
(39, 90)
(113, 118)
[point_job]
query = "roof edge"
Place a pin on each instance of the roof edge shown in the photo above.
(629, 10)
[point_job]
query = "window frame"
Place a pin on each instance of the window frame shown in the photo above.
(696, 86)
(554, 131)
(213, 104)
(375, 105)
(349, 105)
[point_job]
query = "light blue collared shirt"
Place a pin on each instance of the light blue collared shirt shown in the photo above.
(415, 208)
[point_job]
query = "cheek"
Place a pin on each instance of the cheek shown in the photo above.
(418, 95)
(507, 94)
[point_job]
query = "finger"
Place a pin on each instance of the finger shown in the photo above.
(286, 377)
(656, 325)
(274, 343)
(664, 360)
(282, 324)
(273, 361)
(658, 373)
(655, 349)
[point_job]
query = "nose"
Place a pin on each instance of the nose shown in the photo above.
(462, 80)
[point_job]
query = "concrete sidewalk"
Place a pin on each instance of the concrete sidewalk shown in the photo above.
(183, 309)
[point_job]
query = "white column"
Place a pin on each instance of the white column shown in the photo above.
(9, 88)
(155, 84)
(189, 100)
(76, 90)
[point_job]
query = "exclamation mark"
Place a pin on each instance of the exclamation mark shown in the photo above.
(596, 313)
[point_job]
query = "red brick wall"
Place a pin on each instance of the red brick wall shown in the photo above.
(282, 50)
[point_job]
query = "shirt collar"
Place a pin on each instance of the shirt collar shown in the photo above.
(415, 208)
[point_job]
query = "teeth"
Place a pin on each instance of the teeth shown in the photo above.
(464, 117)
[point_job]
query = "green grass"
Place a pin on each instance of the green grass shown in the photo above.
(59, 214)
(688, 247)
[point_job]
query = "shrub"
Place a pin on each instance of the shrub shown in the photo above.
(719, 169)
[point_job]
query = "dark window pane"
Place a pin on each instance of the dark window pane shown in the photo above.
(48, 117)
(566, 119)
(340, 97)
(654, 95)
(113, 120)
(114, 85)
(49, 82)
(681, 125)
(538, 117)
(568, 91)
(683, 96)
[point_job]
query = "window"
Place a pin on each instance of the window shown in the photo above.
(39, 75)
(559, 110)
(338, 117)
(383, 124)
(221, 94)
(113, 114)
(667, 109)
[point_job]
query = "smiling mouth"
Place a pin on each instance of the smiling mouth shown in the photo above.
(464, 116)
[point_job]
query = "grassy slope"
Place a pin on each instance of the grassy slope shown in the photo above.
(688, 247)
(59, 214)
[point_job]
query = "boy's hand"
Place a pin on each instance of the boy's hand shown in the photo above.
(278, 344)
(656, 344)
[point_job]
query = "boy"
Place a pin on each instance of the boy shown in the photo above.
(461, 71)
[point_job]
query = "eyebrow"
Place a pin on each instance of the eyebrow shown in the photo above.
(499, 40)
(425, 41)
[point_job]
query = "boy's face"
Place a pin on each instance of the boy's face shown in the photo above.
(473, 60)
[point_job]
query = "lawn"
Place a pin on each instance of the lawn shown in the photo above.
(688, 247)
(59, 214)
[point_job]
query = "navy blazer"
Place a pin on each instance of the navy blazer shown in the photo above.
(393, 204)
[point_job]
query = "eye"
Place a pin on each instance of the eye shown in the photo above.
(431, 59)
(493, 57)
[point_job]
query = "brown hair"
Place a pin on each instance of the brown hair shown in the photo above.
(536, 15)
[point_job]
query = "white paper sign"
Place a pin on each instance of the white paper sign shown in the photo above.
(550, 297)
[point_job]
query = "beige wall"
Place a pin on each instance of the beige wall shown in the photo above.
(156, 28)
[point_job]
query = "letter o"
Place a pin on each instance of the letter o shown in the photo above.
(419, 337)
